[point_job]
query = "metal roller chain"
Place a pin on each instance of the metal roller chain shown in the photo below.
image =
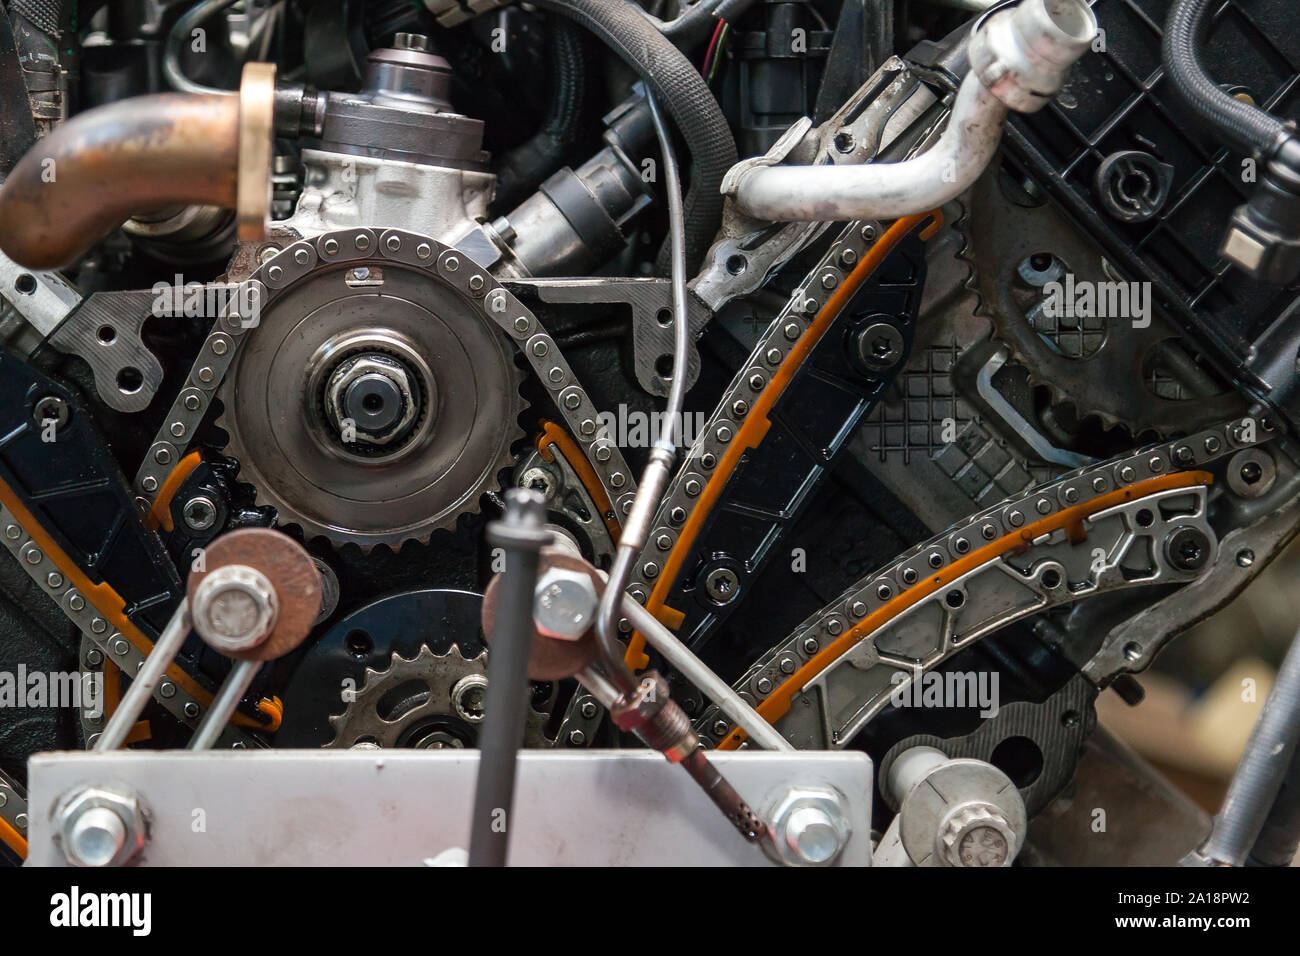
(452, 267)
(877, 590)
(683, 493)
(109, 643)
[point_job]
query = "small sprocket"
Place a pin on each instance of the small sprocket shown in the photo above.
(429, 702)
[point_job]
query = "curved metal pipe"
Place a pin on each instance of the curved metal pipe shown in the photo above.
(882, 190)
(1019, 57)
(93, 172)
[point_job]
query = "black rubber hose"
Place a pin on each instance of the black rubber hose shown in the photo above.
(525, 167)
(1246, 127)
(45, 15)
(677, 85)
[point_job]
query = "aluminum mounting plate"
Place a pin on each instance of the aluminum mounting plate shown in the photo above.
(402, 807)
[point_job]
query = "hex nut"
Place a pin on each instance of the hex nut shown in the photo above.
(564, 604)
(100, 827)
(810, 826)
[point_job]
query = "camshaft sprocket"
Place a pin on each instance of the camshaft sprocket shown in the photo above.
(372, 404)
(1126, 371)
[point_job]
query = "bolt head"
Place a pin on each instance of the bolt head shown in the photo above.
(539, 479)
(1188, 549)
(722, 585)
(467, 697)
(810, 826)
(879, 346)
(99, 827)
(564, 604)
(235, 608)
(200, 513)
(376, 393)
(976, 834)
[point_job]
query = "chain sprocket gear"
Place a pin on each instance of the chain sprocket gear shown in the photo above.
(373, 404)
(429, 702)
(1125, 373)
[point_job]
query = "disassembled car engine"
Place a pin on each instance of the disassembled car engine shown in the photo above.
(833, 396)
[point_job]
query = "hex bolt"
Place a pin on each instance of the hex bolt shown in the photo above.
(235, 608)
(98, 827)
(810, 827)
(564, 604)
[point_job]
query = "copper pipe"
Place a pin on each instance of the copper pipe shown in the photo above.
(92, 173)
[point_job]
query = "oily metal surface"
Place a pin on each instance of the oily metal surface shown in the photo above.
(277, 425)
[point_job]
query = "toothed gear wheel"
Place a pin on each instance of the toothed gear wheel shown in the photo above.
(430, 702)
(375, 402)
(1118, 370)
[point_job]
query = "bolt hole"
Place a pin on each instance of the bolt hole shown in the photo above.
(954, 599)
(359, 644)
(130, 380)
(106, 334)
(665, 317)
(664, 367)
(736, 264)
(1020, 759)
(1145, 518)
(1051, 578)
(25, 283)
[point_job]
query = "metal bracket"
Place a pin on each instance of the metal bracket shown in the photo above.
(105, 332)
(607, 808)
(652, 324)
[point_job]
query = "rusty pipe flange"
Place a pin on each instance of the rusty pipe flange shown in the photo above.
(553, 658)
(256, 146)
(144, 153)
(283, 565)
